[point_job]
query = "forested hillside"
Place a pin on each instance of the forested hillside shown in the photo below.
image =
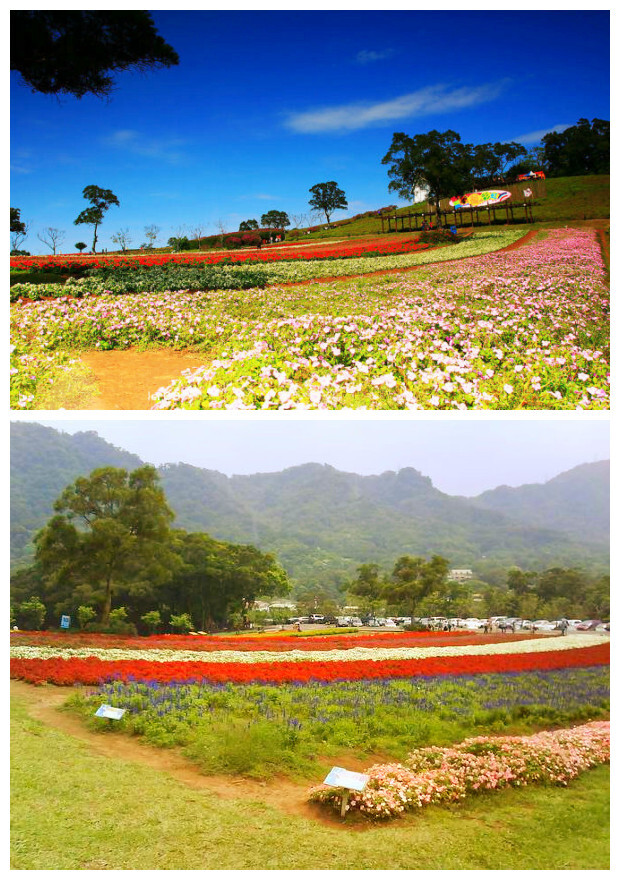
(322, 523)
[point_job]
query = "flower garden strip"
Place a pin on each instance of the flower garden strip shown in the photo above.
(338, 250)
(92, 666)
(270, 641)
(446, 775)
(271, 272)
(521, 329)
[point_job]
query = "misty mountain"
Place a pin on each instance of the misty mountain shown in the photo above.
(322, 522)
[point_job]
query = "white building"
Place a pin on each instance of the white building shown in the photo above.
(460, 574)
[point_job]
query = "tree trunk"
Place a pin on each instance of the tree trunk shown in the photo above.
(107, 604)
(95, 239)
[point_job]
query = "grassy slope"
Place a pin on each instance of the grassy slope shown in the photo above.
(73, 809)
(568, 198)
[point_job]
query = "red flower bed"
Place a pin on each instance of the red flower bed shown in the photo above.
(267, 641)
(69, 262)
(92, 671)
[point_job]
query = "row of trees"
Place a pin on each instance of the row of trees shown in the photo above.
(421, 588)
(110, 543)
(442, 164)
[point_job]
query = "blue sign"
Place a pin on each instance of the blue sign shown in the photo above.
(65, 621)
(112, 712)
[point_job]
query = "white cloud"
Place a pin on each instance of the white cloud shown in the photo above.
(131, 141)
(367, 56)
(424, 102)
(533, 137)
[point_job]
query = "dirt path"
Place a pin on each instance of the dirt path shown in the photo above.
(126, 379)
(44, 704)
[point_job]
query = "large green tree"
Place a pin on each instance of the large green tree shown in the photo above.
(100, 200)
(275, 220)
(217, 579)
(437, 160)
(74, 52)
(111, 532)
(328, 197)
(414, 579)
(581, 149)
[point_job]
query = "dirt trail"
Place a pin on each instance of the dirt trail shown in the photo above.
(44, 704)
(127, 378)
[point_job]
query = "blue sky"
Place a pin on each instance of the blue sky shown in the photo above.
(462, 457)
(263, 105)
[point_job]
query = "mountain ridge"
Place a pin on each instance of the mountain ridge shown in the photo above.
(323, 522)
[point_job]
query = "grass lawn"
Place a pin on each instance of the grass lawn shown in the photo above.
(74, 809)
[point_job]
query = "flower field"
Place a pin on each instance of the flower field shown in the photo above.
(523, 329)
(313, 659)
(402, 244)
(278, 703)
(439, 776)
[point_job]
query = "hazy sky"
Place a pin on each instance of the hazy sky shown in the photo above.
(462, 457)
(265, 104)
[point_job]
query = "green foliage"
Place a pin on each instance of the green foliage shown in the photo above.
(181, 622)
(180, 243)
(438, 236)
(247, 225)
(48, 49)
(31, 614)
(17, 224)
(80, 245)
(121, 535)
(261, 730)
(152, 619)
(327, 197)
(275, 220)
(85, 614)
(580, 149)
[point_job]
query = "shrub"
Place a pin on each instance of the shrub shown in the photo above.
(181, 622)
(85, 614)
(152, 619)
(31, 613)
(437, 236)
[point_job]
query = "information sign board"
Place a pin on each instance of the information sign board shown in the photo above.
(341, 778)
(112, 712)
(65, 621)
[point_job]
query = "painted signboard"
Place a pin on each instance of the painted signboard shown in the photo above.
(532, 175)
(341, 778)
(65, 621)
(486, 198)
(112, 712)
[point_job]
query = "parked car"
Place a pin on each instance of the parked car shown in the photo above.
(586, 625)
(473, 623)
(342, 621)
(355, 621)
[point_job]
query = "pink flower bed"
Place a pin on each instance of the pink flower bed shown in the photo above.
(445, 775)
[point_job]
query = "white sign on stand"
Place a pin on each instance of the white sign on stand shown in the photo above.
(111, 712)
(341, 778)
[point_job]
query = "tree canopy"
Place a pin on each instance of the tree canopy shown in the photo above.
(327, 197)
(101, 200)
(111, 542)
(17, 224)
(74, 52)
(581, 149)
(248, 225)
(275, 220)
(111, 529)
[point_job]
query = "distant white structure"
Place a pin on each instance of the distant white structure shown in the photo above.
(460, 574)
(420, 194)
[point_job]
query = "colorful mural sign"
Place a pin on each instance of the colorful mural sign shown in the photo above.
(489, 197)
